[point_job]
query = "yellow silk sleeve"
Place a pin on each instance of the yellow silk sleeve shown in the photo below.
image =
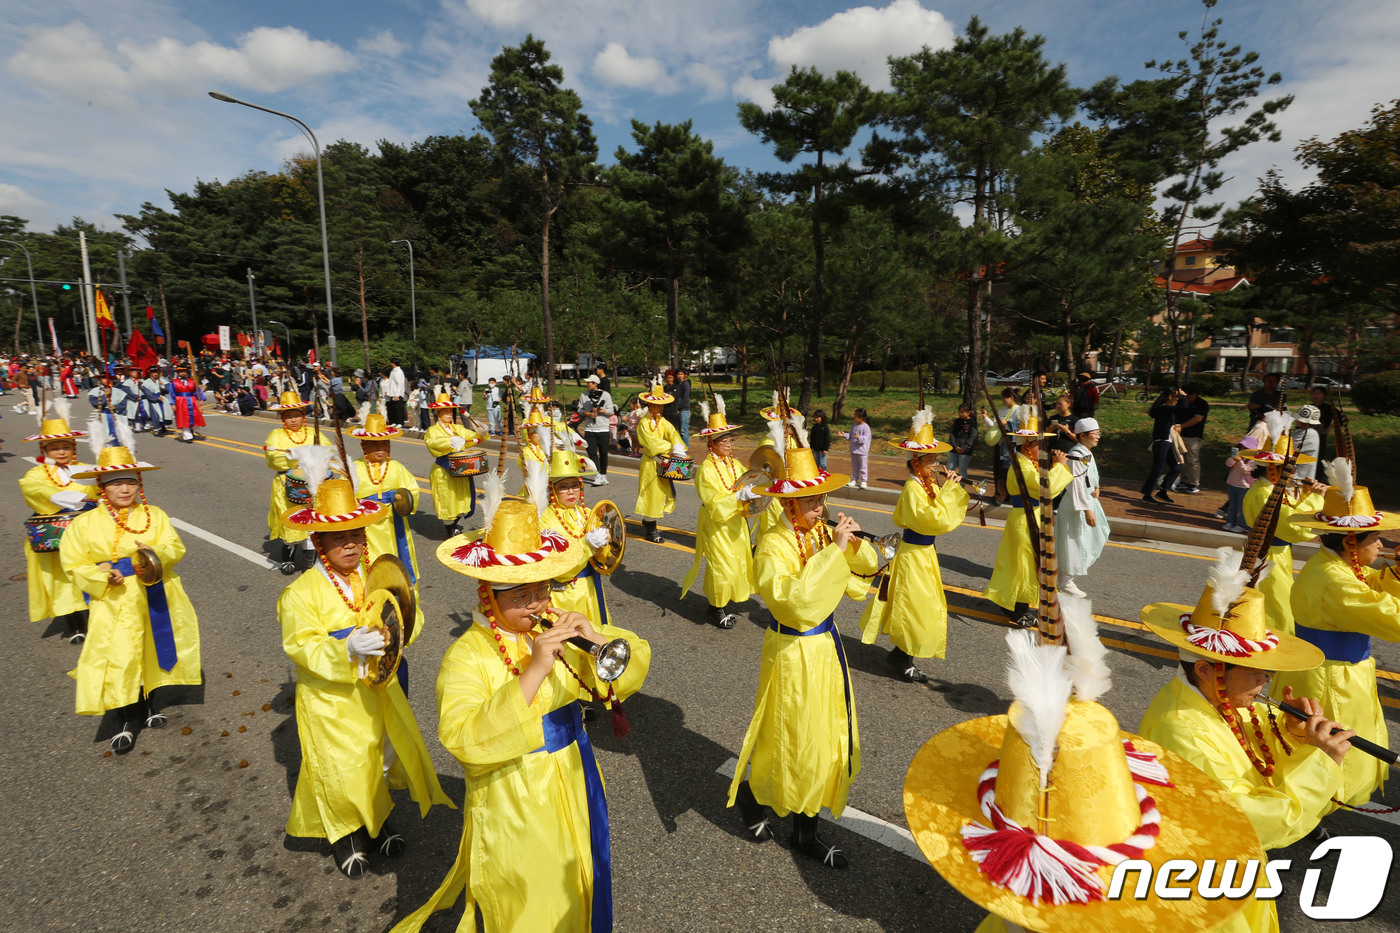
(483, 726)
(307, 615)
(940, 515)
(715, 496)
(802, 597)
(276, 458)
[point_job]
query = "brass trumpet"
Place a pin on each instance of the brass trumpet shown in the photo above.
(611, 657)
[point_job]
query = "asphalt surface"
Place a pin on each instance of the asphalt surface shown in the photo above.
(186, 832)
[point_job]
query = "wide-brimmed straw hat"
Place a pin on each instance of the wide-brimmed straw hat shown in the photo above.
(804, 477)
(921, 439)
(1028, 426)
(375, 428)
(55, 429)
(657, 396)
(443, 401)
(1346, 507)
(1277, 447)
(716, 424)
(289, 401)
(512, 548)
(335, 508)
(566, 464)
(536, 396)
(115, 460)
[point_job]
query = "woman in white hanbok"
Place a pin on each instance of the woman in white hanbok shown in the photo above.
(1081, 528)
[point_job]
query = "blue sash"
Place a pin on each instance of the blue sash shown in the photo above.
(1017, 502)
(828, 626)
(161, 631)
(913, 537)
(400, 533)
(562, 728)
(1279, 542)
(589, 572)
(344, 633)
(1351, 647)
(442, 462)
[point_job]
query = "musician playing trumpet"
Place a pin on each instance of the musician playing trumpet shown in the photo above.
(722, 535)
(454, 497)
(357, 742)
(910, 606)
(141, 635)
(535, 853)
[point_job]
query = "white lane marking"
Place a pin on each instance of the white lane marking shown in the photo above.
(860, 823)
(262, 560)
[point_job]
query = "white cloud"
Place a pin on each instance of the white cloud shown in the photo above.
(504, 12)
(758, 90)
(709, 79)
(74, 61)
(861, 39)
(381, 43)
(20, 203)
(615, 66)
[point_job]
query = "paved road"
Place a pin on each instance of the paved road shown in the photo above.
(186, 831)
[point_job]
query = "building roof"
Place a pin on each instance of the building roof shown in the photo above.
(1205, 288)
(1197, 245)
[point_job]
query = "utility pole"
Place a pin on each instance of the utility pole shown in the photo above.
(253, 307)
(89, 314)
(126, 301)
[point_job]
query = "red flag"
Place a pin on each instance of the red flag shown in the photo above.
(104, 313)
(140, 351)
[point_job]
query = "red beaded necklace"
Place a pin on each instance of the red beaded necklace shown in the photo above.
(819, 536)
(1227, 712)
(356, 584)
(376, 480)
(728, 468)
(296, 437)
(571, 519)
(53, 478)
(1354, 554)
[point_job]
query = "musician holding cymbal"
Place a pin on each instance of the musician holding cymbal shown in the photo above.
(280, 451)
(802, 748)
(357, 741)
(722, 535)
(535, 853)
(387, 481)
(142, 629)
(911, 607)
(454, 497)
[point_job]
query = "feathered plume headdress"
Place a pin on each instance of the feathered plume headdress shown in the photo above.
(1339, 474)
(315, 462)
(922, 417)
(545, 435)
(1088, 665)
(1041, 684)
(101, 436)
(704, 411)
(537, 484)
(778, 432)
(1279, 424)
(1226, 581)
(799, 427)
(719, 404)
(493, 492)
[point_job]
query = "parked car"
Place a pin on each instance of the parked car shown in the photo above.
(1020, 377)
(1330, 384)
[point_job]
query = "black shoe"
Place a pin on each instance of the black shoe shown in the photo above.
(453, 529)
(914, 675)
(806, 841)
(125, 739)
(1163, 497)
(350, 854)
(389, 843)
(727, 620)
(1028, 619)
(155, 719)
(755, 815)
(75, 623)
(1147, 497)
(588, 713)
(287, 567)
(651, 534)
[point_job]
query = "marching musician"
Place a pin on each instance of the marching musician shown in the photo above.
(357, 742)
(802, 748)
(722, 536)
(1283, 774)
(1304, 501)
(141, 635)
(535, 853)
(1340, 602)
(535, 442)
(280, 451)
(154, 395)
(911, 607)
(381, 478)
(1014, 585)
(568, 514)
(48, 489)
(657, 437)
(454, 497)
(186, 394)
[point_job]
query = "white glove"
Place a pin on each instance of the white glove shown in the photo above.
(69, 500)
(598, 537)
(747, 494)
(679, 450)
(458, 442)
(363, 643)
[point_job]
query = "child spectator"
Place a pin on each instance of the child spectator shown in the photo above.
(819, 437)
(963, 437)
(1237, 484)
(859, 436)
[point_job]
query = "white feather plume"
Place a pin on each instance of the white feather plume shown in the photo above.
(1227, 581)
(719, 403)
(1339, 474)
(493, 492)
(921, 417)
(315, 461)
(363, 411)
(1279, 424)
(125, 437)
(1021, 414)
(1041, 685)
(799, 427)
(537, 485)
(775, 400)
(1088, 664)
(97, 436)
(38, 412)
(704, 411)
(59, 403)
(775, 431)
(545, 435)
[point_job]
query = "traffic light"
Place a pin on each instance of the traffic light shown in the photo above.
(66, 287)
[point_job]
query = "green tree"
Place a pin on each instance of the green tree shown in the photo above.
(537, 122)
(966, 118)
(817, 116)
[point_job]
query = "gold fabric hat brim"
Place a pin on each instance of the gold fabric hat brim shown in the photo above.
(1291, 654)
(1308, 520)
(710, 434)
(1200, 821)
(45, 438)
(319, 524)
(833, 482)
(657, 399)
(280, 408)
(1265, 457)
(97, 473)
(546, 569)
(939, 447)
(363, 435)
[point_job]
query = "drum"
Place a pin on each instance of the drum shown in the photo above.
(675, 467)
(298, 493)
(46, 531)
(466, 463)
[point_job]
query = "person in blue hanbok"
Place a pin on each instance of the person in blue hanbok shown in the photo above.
(1081, 528)
(153, 397)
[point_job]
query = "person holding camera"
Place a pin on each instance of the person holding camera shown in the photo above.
(1166, 414)
(595, 409)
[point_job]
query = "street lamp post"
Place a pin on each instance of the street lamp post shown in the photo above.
(289, 336)
(33, 295)
(253, 309)
(413, 305)
(321, 200)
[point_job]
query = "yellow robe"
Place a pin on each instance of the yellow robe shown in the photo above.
(769, 518)
(343, 724)
(278, 441)
(721, 536)
(52, 592)
(1328, 596)
(656, 495)
(1277, 585)
(916, 615)
(119, 656)
(382, 536)
(1014, 577)
(1181, 720)
(525, 858)
(803, 746)
(452, 495)
(580, 593)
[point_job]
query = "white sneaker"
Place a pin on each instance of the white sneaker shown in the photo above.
(862, 486)
(600, 480)
(1072, 588)
(853, 485)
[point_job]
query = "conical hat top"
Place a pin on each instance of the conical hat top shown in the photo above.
(375, 428)
(335, 508)
(115, 460)
(289, 401)
(514, 549)
(54, 429)
(657, 396)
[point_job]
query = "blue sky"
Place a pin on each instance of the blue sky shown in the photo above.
(104, 104)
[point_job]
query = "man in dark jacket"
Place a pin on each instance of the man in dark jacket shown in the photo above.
(1086, 398)
(1166, 412)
